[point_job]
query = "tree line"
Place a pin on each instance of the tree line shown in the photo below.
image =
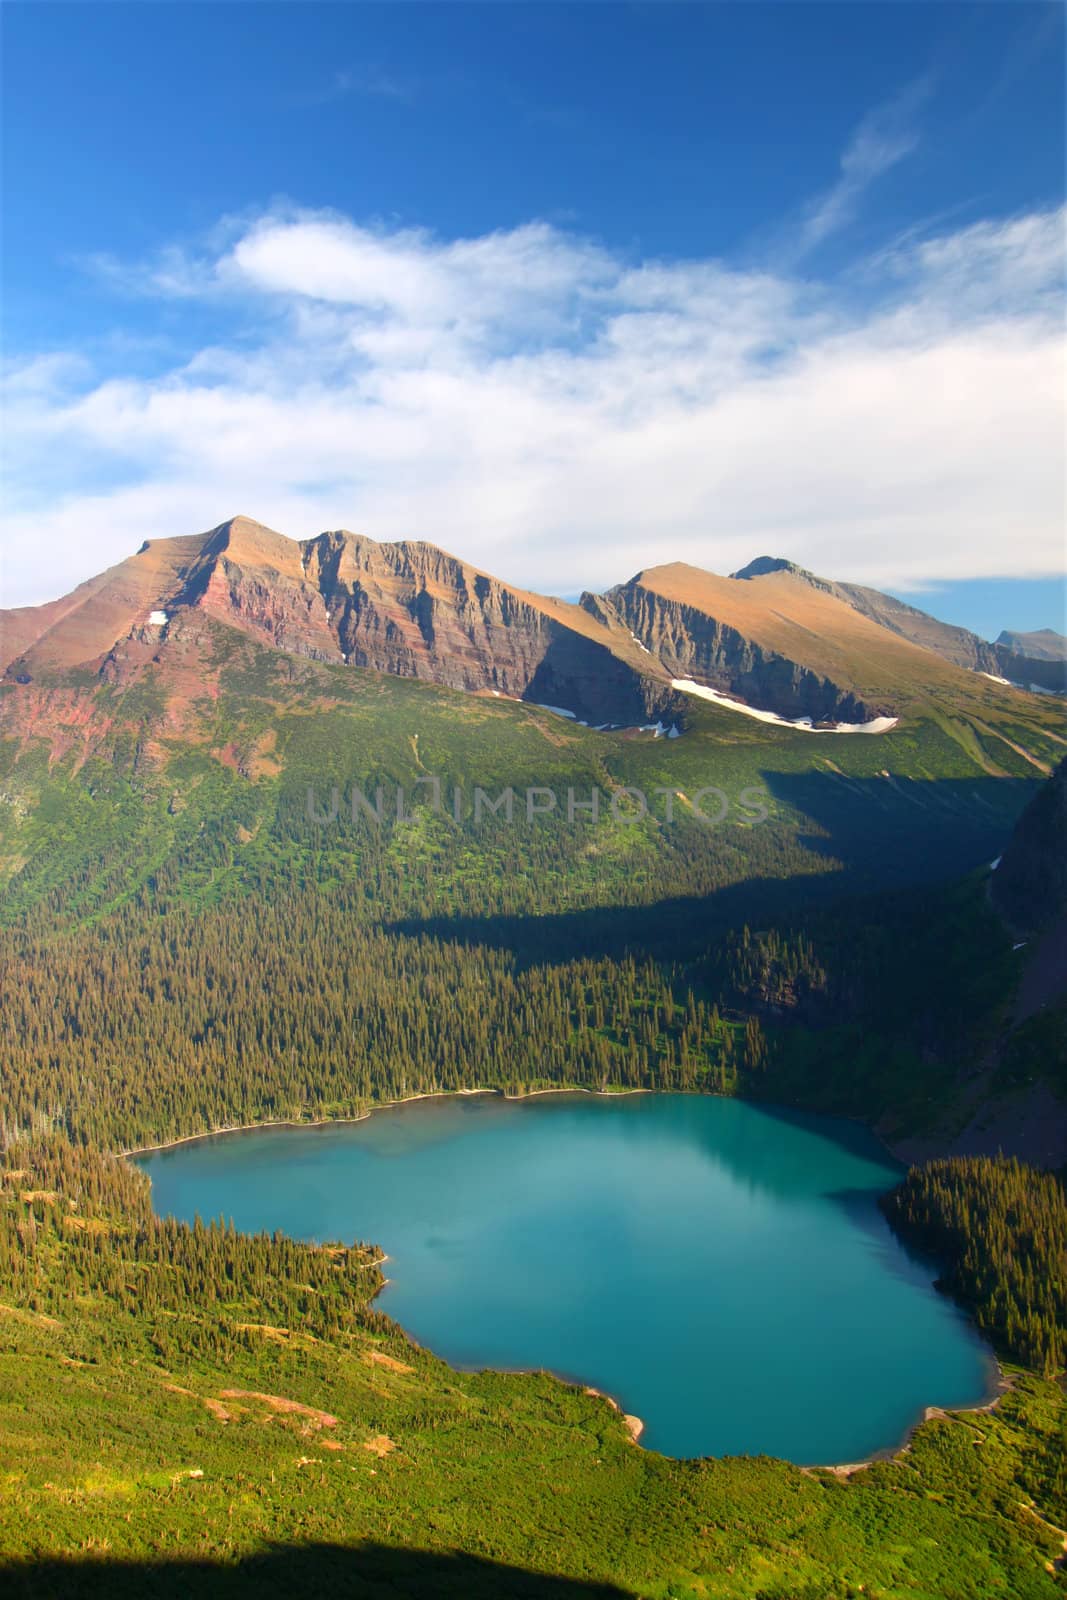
(74, 1221)
(142, 1027)
(1000, 1229)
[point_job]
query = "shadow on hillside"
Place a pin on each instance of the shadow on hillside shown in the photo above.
(877, 836)
(582, 675)
(669, 930)
(365, 1572)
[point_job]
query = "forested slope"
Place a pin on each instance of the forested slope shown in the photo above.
(1002, 1229)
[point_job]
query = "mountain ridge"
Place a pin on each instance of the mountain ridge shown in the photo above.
(773, 636)
(406, 608)
(1041, 644)
(1024, 667)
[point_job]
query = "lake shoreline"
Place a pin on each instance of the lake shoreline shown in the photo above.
(389, 1105)
(1003, 1385)
(998, 1384)
(500, 1094)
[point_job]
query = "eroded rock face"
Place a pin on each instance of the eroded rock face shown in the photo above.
(408, 609)
(692, 644)
(412, 610)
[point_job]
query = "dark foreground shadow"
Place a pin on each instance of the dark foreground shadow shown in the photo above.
(364, 1572)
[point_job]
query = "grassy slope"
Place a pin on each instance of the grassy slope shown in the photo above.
(100, 1433)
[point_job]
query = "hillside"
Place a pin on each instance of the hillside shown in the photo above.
(940, 1013)
(202, 789)
(1029, 885)
(1010, 657)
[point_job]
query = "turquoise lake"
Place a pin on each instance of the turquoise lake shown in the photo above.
(720, 1268)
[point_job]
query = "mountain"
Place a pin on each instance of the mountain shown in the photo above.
(775, 638)
(773, 635)
(167, 721)
(408, 609)
(1044, 644)
(1017, 663)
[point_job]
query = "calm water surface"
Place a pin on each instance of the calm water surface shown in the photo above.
(720, 1268)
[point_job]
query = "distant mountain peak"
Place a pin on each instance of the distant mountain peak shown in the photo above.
(1041, 643)
(1031, 660)
(762, 565)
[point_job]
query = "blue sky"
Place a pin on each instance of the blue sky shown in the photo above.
(568, 289)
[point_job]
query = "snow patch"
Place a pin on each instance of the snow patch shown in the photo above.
(802, 724)
(557, 711)
(157, 619)
(993, 865)
(994, 679)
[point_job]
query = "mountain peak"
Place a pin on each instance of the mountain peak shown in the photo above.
(762, 565)
(1041, 643)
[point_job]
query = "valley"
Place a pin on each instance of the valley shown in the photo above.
(203, 929)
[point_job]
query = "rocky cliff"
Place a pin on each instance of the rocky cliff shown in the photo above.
(692, 644)
(409, 609)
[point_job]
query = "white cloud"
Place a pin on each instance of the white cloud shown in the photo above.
(564, 416)
(884, 137)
